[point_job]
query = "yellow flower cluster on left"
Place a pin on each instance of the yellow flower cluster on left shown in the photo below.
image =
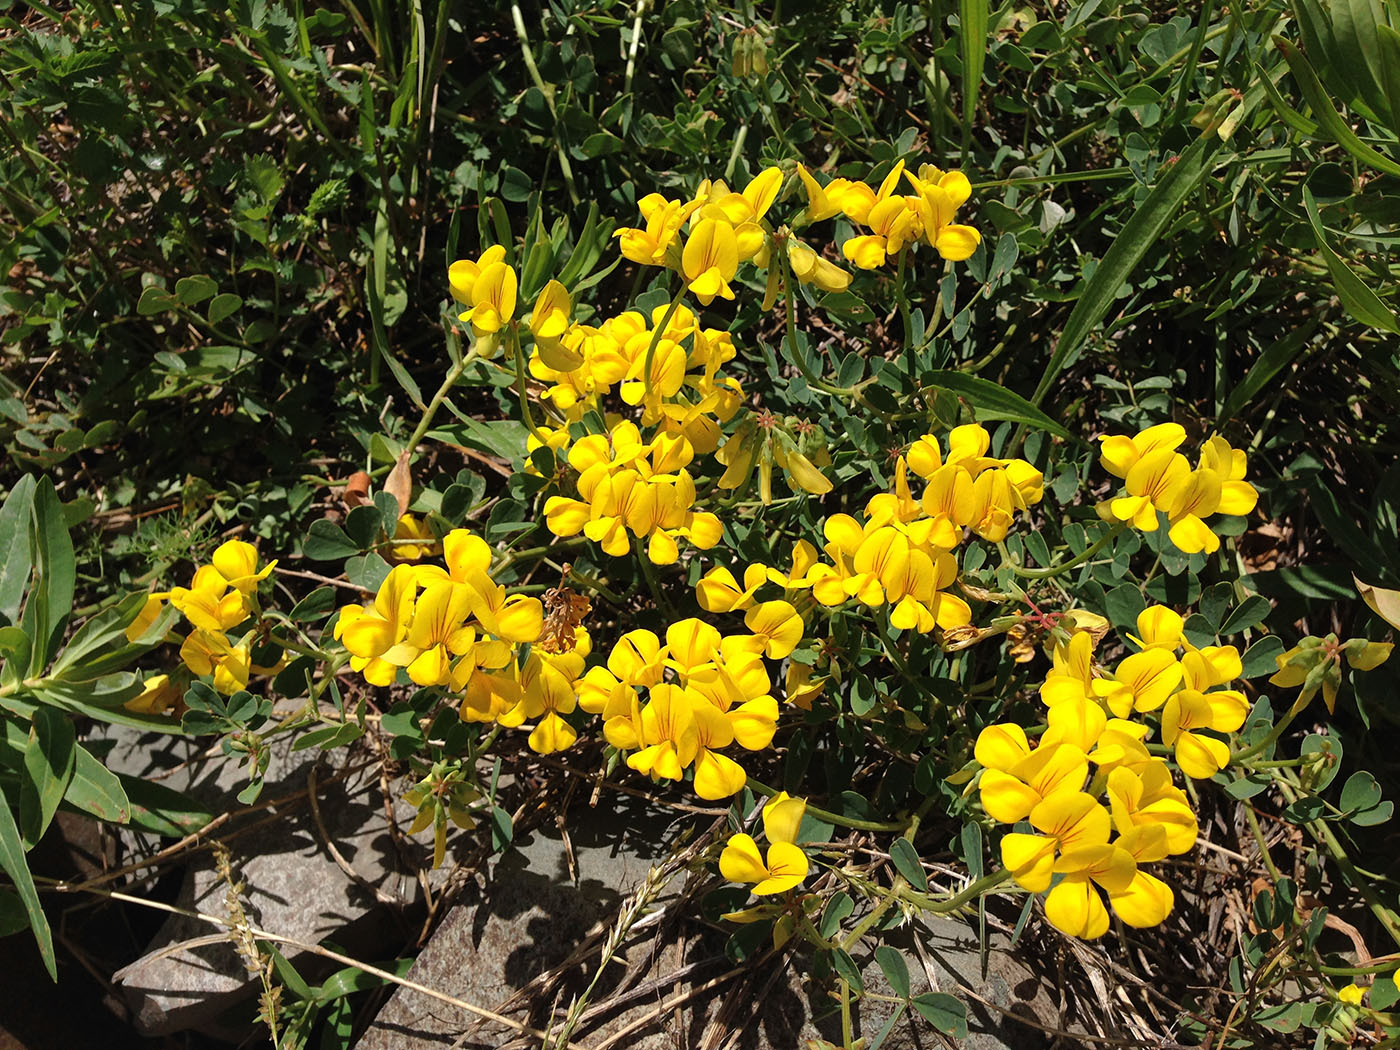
(456, 627)
(1091, 723)
(221, 596)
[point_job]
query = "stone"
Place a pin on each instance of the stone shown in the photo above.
(532, 915)
(191, 975)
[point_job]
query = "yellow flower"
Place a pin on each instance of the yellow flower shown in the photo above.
(158, 695)
(208, 603)
(785, 866)
(711, 259)
(940, 194)
(1017, 779)
(237, 563)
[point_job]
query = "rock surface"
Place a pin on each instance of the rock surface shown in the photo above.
(191, 975)
(675, 988)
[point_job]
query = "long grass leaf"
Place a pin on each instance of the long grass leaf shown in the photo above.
(1133, 242)
(1328, 118)
(1362, 303)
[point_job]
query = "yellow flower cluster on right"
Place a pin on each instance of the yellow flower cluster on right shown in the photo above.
(1156, 478)
(900, 554)
(1091, 724)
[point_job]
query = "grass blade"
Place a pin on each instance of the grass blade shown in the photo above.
(1362, 303)
(1327, 116)
(1138, 235)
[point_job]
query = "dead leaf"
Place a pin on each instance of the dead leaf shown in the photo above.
(356, 490)
(1384, 603)
(399, 483)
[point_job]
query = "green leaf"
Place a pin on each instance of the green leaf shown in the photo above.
(223, 306)
(1258, 659)
(13, 917)
(155, 301)
(972, 19)
(847, 969)
(993, 401)
(1275, 358)
(1360, 792)
(96, 790)
(195, 289)
(1148, 223)
(352, 979)
(837, 910)
(162, 810)
(1389, 42)
(1363, 304)
(15, 648)
(502, 829)
(326, 541)
(1247, 614)
(16, 550)
(1384, 993)
(893, 966)
(48, 766)
(51, 596)
(906, 862)
(315, 606)
(12, 859)
(944, 1012)
(1329, 120)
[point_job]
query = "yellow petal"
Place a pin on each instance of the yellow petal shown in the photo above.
(741, 862)
(1075, 907)
(718, 777)
(782, 817)
(1146, 902)
(787, 866)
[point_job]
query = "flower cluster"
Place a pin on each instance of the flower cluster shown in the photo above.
(704, 692)
(785, 865)
(222, 596)
(897, 220)
(457, 628)
(901, 554)
(1091, 724)
(1159, 479)
(627, 486)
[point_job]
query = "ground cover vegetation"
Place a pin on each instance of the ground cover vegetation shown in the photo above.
(955, 437)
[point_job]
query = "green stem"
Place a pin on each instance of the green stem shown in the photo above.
(1271, 738)
(968, 893)
(1064, 567)
(519, 357)
(453, 374)
(835, 818)
(903, 300)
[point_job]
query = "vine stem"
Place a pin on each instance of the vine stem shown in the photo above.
(518, 356)
(835, 818)
(1064, 567)
(1272, 737)
(449, 381)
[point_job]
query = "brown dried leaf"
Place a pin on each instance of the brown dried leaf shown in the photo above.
(399, 483)
(356, 490)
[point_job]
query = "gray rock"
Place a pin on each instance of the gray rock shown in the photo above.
(190, 975)
(532, 915)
